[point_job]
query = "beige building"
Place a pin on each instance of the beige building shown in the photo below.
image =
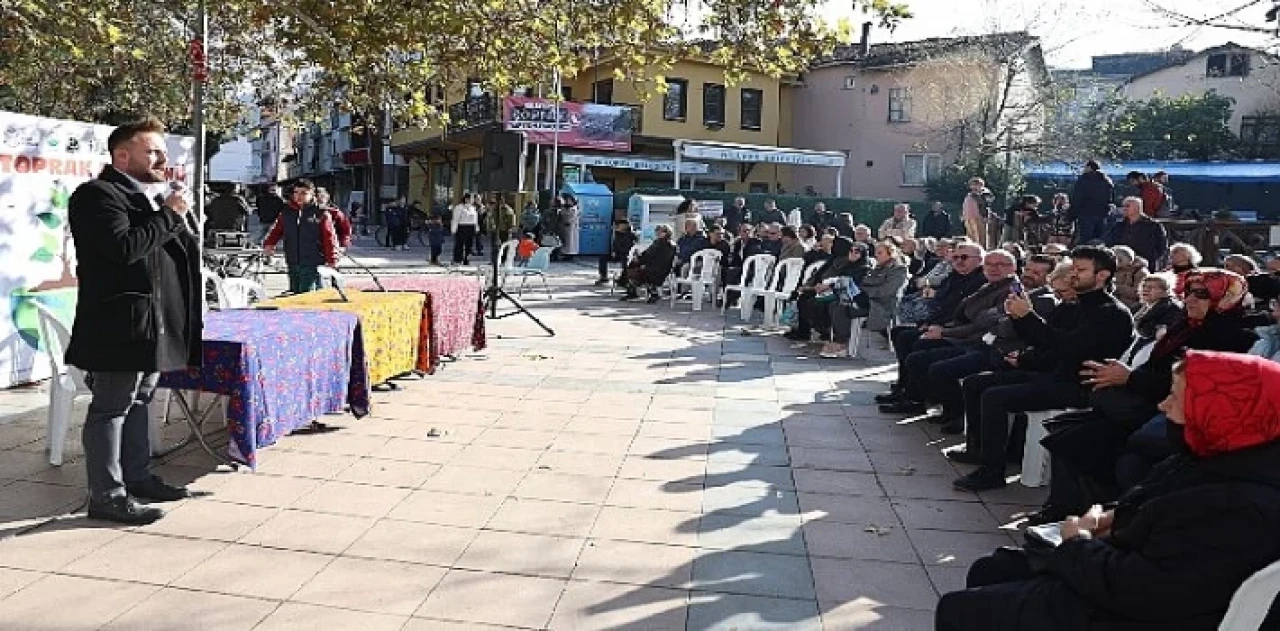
(904, 111)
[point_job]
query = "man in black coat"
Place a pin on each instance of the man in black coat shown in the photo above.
(138, 315)
(1048, 375)
(1091, 200)
(736, 215)
(936, 224)
(1138, 231)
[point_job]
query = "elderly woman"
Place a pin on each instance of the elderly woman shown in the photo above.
(877, 300)
(653, 265)
(1131, 269)
(1183, 257)
(1124, 398)
(811, 313)
(1159, 309)
(1176, 547)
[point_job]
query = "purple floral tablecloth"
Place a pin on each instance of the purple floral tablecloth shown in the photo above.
(280, 370)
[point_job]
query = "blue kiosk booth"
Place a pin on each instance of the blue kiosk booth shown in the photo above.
(595, 218)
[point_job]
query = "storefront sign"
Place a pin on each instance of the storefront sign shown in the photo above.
(637, 163)
(571, 124)
(735, 154)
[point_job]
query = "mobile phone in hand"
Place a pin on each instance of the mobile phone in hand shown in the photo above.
(1015, 288)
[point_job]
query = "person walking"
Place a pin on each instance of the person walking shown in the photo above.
(464, 226)
(1091, 200)
(977, 205)
(269, 207)
(138, 314)
(310, 239)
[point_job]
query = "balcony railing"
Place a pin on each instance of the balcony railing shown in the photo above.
(474, 112)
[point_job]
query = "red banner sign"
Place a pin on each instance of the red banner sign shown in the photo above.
(572, 124)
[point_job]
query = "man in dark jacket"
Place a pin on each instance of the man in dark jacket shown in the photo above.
(936, 224)
(965, 279)
(1138, 231)
(138, 314)
(621, 240)
(736, 215)
(227, 212)
(1176, 548)
(821, 218)
(653, 265)
(770, 214)
(269, 207)
(310, 239)
(1048, 375)
(1091, 200)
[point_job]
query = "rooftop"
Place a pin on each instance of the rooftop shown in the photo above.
(905, 53)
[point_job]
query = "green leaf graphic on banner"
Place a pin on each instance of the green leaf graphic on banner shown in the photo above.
(50, 220)
(43, 256)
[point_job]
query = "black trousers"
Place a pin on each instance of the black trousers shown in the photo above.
(1073, 491)
(1005, 594)
(944, 378)
(811, 315)
(915, 368)
(904, 340)
(989, 399)
(462, 242)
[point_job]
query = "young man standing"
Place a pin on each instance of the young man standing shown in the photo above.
(138, 314)
(977, 205)
(309, 238)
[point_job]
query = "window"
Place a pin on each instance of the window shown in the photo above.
(441, 183)
(1228, 65)
(675, 103)
(899, 105)
(566, 92)
(758, 187)
(919, 168)
(602, 91)
(713, 104)
(471, 175)
(752, 108)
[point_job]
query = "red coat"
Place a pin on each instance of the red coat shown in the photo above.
(341, 225)
(1152, 198)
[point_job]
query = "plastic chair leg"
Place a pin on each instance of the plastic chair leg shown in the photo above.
(546, 287)
(698, 290)
(855, 337)
(1035, 458)
(746, 303)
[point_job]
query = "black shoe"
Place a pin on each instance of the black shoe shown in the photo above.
(123, 510)
(963, 456)
(653, 298)
(905, 407)
(155, 490)
(953, 427)
(889, 398)
(602, 282)
(936, 418)
(983, 479)
(1050, 514)
(796, 336)
(629, 297)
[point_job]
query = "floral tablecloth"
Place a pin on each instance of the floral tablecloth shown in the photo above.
(457, 315)
(280, 370)
(392, 323)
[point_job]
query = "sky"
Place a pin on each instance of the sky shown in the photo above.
(1074, 30)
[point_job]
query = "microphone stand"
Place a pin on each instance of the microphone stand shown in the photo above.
(366, 270)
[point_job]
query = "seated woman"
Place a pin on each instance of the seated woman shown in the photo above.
(881, 290)
(915, 307)
(653, 265)
(810, 314)
(1131, 270)
(911, 257)
(1159, 309)
(1085, 454)
(852, 300)
(1175, 548)
(1183, 257)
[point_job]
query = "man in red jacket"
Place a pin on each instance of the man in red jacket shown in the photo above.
(341, 224)
(1150, 192)
(309, 238)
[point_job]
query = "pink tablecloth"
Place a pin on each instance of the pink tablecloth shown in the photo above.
(457, 316)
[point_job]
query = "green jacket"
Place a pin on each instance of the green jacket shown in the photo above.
(502, 220)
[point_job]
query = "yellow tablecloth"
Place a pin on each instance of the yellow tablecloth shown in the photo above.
(391, 322)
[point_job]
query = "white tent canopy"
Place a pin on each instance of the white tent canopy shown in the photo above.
(733, 152)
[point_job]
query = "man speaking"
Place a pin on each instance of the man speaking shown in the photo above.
(138, 315)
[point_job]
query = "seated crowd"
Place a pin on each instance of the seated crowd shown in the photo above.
(1158, 375)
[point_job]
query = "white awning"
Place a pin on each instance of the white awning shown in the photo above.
(636, 163)
(733, 152)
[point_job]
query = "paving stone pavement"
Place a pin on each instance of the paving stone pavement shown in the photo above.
(646, 468)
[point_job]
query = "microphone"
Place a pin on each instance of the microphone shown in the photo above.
(368, 271)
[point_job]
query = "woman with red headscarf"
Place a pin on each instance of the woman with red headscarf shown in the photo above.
(1176, 547)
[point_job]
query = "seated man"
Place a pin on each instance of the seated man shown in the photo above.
(653, 265)
(963, 280)
(1104, 329)
(954, 338)
(1177, 547)
(934, 375)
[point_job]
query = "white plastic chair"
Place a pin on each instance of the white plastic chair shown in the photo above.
(67, 382)
(756, 268)
(331, 277)
(208, 277)
(507, 260)
(1253, 600)
(1035, 458)
(538, 265)
(239, 293)
(810, 270)
(785, 279)
(702, 275)
(855, 336)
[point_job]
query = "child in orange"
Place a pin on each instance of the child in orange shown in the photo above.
(525, 249)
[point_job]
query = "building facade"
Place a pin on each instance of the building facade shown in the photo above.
(905, 111)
